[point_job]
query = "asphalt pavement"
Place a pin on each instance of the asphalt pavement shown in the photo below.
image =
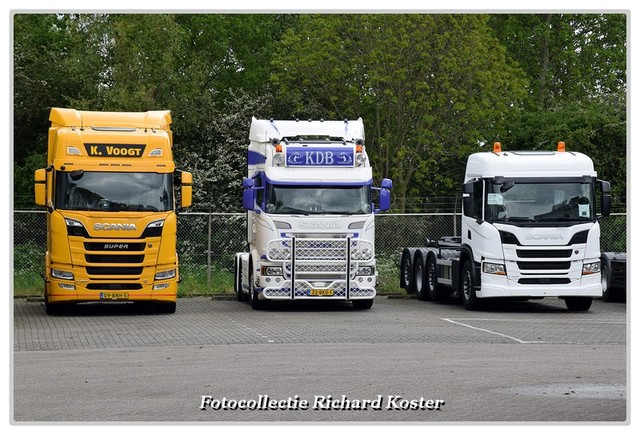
(402, 361)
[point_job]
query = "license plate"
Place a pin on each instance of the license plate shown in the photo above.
(114, 296)
(321, 292)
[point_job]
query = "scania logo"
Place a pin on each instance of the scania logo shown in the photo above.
(541, 236)
(118, 227)
(318, 225)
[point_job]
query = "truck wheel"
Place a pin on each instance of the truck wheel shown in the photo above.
(406, 271)
(256, 303)
(54, 309)
(166, 307)
(362, 304)
(435, 290)
(240, 296)
(607, 293)
(419, 279)
(578, 303)
(469, 299)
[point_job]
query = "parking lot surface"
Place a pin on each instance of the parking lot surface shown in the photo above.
(514, 361)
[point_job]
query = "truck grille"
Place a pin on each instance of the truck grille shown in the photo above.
(97, 258)
(91, 270)
(114, 247)
(543, 281)
(544, 253)
(544, 265)
(329, 250)
(116, 286)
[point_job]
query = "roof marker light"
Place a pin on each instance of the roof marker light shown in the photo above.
(561, 147)
(497, 147)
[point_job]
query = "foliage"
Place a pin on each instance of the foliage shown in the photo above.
(576, 64)
(431, 88)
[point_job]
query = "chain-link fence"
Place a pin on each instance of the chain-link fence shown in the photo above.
(207, 243)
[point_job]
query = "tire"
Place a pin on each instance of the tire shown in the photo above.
(240, 296)
(435, 291)
(419, 279)
(406, 271)
(607, 291)
(362, 304)
(166, 307)
(256, 303)
(54, 309)
(578, 303)
(468, 288)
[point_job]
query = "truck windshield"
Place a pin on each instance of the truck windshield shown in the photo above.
(318, 199)
(114, 191)
(514, 201)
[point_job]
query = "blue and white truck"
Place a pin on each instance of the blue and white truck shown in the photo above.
(309, 198)
(530, 230)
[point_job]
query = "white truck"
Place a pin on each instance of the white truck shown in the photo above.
(529, 230)
(310, 214)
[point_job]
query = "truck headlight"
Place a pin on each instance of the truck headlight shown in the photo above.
(494, 268)
(591, 268)
(278, 159)
(366, 270)
(61, 274)
(271, 270)
(165, 274)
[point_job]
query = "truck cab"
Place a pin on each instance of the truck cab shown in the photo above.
(310, 214)
(111, 191)
(530, 229)
(530, 225)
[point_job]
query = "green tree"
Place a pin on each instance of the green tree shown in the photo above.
(576, 64)
(431, 88)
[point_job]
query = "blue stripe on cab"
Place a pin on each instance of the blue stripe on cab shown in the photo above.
(255, 158)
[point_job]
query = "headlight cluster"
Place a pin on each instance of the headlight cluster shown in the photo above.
(61, 274)
(591, 268)
(166, 274)
(278, 159)
(271, 271)
(366, 270)
(494, 268)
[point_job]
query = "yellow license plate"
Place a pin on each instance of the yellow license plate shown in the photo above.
(114, 296)
(321, 292)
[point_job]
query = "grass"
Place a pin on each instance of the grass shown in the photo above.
(197, 282)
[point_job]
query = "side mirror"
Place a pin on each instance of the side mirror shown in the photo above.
(186, 189)
(40, 187)
(385, 200)
(248, 194)
(605, 186)
(385, 195)
(468, 208)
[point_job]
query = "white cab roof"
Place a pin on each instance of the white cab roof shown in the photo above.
(529, 164)
(263, 130)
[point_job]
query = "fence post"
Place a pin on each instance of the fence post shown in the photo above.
(209, 252)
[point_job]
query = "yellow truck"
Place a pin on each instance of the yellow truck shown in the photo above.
(111, 191)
